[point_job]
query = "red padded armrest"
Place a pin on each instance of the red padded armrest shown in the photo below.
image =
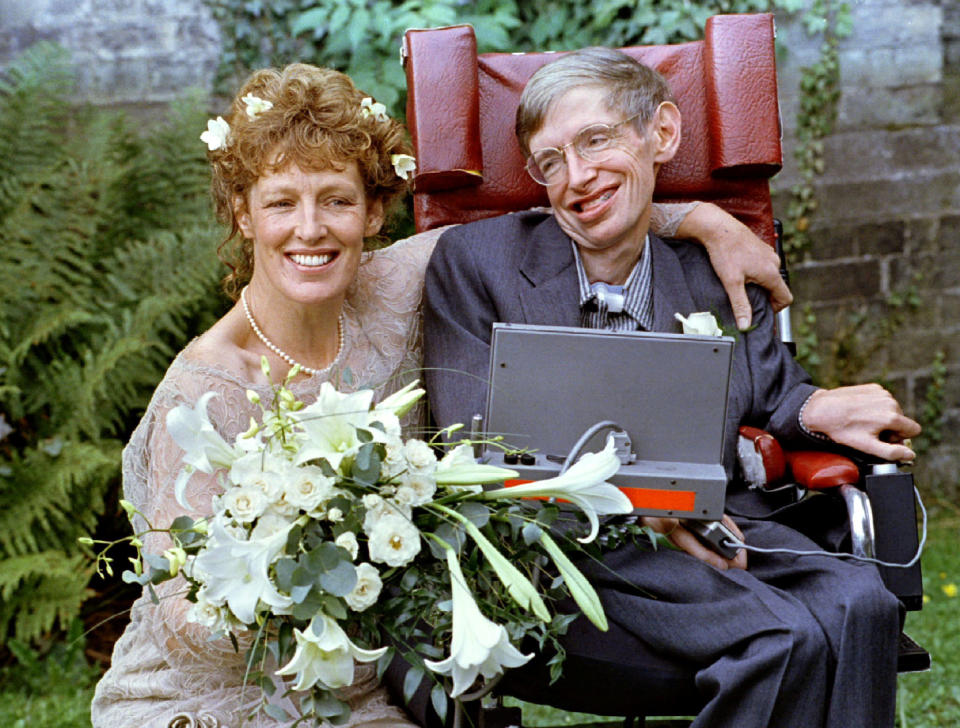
(818, 470)
(769, 451)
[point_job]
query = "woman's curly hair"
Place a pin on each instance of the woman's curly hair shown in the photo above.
(316, 123)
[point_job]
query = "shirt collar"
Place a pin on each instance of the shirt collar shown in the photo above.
(637, 291)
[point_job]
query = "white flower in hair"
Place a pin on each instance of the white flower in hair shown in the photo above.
(403, 165)
(215, 137)
(256, 105)
(369, 107)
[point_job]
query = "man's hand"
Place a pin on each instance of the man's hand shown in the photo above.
(686, 541)
(738, 257)
(865, 417)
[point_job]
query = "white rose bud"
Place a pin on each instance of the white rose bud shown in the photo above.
(367, 589)
(348, 540)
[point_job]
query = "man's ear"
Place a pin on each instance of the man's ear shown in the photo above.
(241, 213)
(375, 217)
(665, 131)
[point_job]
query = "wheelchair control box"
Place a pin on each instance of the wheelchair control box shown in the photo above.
(895, 524)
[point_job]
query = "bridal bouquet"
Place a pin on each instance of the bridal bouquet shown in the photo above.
(335, 541)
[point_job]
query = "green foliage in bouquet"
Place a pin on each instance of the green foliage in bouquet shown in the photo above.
(107, 266)
(337, 542)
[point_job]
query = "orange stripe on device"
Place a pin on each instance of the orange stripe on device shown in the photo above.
(648, 498)
(664, 500)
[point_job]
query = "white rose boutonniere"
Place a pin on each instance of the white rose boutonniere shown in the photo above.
(701, 323)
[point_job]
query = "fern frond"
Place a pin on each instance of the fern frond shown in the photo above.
(53, 499)
(107, 268)
(40, 589)
(33, 116)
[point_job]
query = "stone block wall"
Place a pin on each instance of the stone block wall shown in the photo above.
(889, 215)
(131, 53)
(888, 222)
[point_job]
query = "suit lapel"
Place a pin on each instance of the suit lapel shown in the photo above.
(549, 292)
(671, 293)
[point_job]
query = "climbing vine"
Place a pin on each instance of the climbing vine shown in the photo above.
(819, 98)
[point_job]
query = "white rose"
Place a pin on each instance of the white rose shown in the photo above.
(245, 503)
(394, 463)
(391, 425)
(378, 508)
(419, 456)
(701, 323)
(335, 515)
(416, 489)
(348, 540)
(307, 488)
(394, 540)
(211, 614)
(367, 589)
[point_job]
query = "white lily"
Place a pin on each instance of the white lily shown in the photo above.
(330, 425)
(325, 655)
(403, 165)
(583, 484)
(581, 590)
(478, 646)
(701, 323)
(235, 571)
(403, 400)
(256, 105)
(204, 449)
(518, 586)
(215, 137)
(458, 468)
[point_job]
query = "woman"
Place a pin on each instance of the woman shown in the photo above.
(304, 170)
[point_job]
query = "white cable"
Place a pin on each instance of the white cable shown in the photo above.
(587, 434)
(879, 562)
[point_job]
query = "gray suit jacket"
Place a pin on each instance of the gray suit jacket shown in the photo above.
(520, 268)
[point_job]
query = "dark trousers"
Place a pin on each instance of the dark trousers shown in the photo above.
(799, 641)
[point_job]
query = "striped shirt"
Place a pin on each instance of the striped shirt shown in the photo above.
(637, 310)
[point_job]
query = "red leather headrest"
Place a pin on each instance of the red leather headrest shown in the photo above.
(461, 109)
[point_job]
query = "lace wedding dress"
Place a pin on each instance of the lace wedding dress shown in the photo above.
(166, 672)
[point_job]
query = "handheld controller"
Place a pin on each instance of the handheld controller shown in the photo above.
(714, 535)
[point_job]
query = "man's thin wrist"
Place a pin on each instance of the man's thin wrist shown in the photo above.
(803, 427)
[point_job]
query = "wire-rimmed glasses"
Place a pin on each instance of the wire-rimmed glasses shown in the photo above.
(548, 166)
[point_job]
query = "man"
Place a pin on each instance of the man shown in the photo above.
(786, 642)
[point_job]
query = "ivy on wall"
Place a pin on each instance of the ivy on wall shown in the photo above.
(819, 97)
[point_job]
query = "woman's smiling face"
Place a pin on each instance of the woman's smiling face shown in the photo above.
(307, 230)
(602, 205)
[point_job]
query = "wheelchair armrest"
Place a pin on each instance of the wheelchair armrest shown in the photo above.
(765, 463)
(818, 470)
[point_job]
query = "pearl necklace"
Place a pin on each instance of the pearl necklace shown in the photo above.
(284, 355)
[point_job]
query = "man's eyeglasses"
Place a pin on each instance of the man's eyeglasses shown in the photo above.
(548, 166)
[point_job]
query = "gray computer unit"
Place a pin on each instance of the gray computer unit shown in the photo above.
(668, 392)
